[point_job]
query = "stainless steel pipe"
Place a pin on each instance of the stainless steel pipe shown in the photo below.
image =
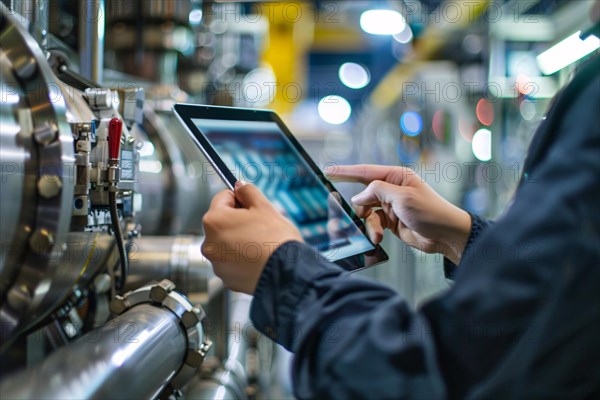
(231, 381)
(134, 355)
(177, 258)
(91, 39)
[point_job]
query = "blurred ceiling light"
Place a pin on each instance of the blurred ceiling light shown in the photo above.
(485, 112)
(258, 86)
(405, 36)
(195, 17)
(566, 53)
(334, 110)
(482, 145)
(411, 123)
(353, 75)
(382, 22)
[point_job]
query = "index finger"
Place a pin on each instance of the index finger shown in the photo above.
(223, 199)
(363, 173)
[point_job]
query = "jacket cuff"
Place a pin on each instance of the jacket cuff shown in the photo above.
(286, 277)
(478, 225)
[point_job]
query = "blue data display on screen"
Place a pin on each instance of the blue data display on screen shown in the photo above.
(258, 152)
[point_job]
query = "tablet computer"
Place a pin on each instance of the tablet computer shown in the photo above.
(255, 146)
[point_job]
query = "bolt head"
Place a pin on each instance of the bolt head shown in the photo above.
(41, 241)
(118, 305)
(189, 319)
(45, 134)
(49, 186)
(194, 358)
(161, 290)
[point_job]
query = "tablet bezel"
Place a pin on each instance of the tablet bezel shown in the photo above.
(187, 112)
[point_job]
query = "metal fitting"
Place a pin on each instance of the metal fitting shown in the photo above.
(41, 241)
(162, 294)
(99, 98)
(113, 174)
(45, 134)
(49, 186)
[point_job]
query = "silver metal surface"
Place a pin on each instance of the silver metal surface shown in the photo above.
(231, 381)
(13, 157)
(133, 356)
(36, 13)
(162, 294)
(218, 387)
(177, 258)
(91, 39)
(46, 138)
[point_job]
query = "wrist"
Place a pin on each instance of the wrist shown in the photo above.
(454, 241)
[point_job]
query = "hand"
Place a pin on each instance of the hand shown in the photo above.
(397, 199)
(239, 241)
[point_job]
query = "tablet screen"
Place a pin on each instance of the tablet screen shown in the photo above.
(260, 153)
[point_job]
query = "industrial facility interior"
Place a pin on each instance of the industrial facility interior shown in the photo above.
(104, 290)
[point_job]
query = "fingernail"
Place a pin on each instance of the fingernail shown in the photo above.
(239, 184)
(329, 170)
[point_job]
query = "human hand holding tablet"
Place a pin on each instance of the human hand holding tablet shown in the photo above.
(254, 145)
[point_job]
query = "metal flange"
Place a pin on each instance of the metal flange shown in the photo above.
(163, 294)
(29, 268)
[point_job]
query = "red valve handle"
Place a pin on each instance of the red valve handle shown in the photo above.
(115, 127)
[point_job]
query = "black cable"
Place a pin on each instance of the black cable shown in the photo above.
(112, 202)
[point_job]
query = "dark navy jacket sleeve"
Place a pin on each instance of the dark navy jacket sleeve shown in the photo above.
(478, 225)
(353, 338)
(521, 321)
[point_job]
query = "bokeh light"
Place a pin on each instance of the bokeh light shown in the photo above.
(195, 17)
(482, 145)
(411, 123)
(353, 75)
(256, 86)
(334, 110)
(382, 22)
(405, 36)
(485, 112)
(528, 110)
(525, 86)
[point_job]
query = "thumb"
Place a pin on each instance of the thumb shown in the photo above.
(249, 195)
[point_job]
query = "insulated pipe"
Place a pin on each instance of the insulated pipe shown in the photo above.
(91, 39)
(134, 355)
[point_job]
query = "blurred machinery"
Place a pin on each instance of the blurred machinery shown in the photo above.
(89, 306)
